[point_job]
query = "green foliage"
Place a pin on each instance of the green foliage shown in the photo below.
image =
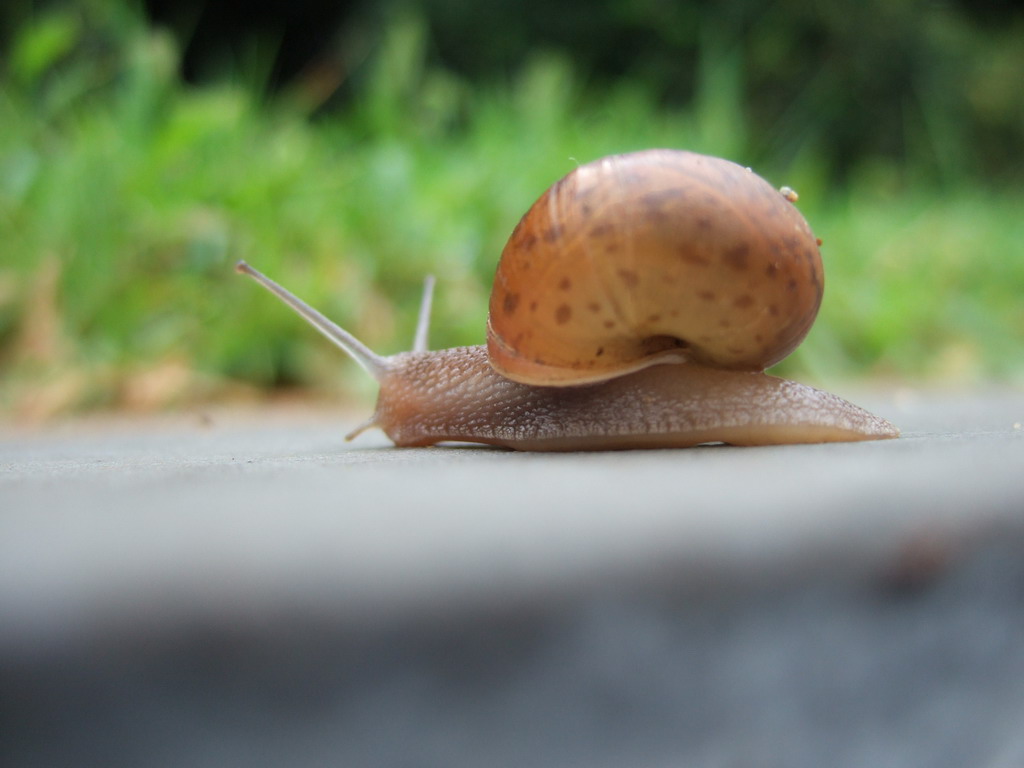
(126, 196)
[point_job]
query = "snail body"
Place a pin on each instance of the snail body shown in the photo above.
(659, 406)
(636, 305)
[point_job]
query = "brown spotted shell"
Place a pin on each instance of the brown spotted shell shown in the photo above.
(650, 257)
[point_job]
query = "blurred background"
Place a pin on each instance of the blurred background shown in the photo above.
(349, 148)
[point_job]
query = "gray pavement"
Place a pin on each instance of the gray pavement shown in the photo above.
(217, 589)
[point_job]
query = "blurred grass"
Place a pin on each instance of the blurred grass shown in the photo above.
(126, 196)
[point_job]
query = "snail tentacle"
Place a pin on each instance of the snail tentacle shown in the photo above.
(420, 340)
(376, 365)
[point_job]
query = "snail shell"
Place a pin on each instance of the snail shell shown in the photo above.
(652, 257)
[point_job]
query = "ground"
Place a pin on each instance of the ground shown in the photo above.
(216, 588)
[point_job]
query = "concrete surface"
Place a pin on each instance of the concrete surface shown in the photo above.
(216, 589)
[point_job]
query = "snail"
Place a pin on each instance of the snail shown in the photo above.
(635, 305)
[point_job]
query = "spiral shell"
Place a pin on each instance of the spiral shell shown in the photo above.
(653, 257)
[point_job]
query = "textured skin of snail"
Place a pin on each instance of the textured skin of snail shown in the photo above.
(662, 406)
(636, 305)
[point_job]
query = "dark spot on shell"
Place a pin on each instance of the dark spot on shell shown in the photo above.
(737, 257)
(734, 350)
(655, 318)
(594, 307)
(584, 191)
(706, 295)
(791, 285)
(657, 199)
(609, 324)
(629, 277)
(565, 284)
(611, 247)
(562, 314)
(600, 351)
(690, 257)
(600, 230)
(724, 324)
(744, 301)
(526, 242)
(553, 234)
(771, 270)
(587, 209)
(533, 306)
(705, 223)
(773, 310)
(510, 303)
(758, 338)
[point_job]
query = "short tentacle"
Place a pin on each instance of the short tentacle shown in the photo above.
(419, 343)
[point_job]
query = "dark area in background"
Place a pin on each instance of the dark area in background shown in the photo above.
(856, 77)
(930, 84)
(217, 35)
(484, 38)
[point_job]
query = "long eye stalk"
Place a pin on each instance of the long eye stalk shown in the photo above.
(376, 365)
